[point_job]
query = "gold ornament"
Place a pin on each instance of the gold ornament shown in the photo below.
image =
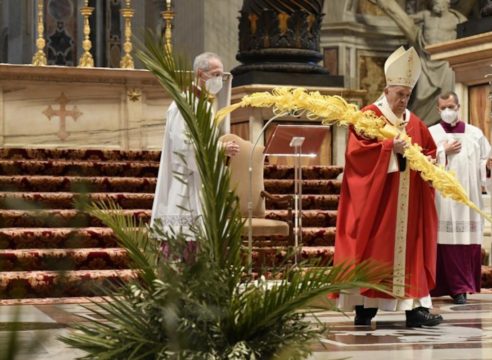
(86, 59)
(39, 58)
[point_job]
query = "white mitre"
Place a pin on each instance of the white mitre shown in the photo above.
(402, 68)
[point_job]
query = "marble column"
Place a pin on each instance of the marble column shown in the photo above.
(20, 31)
(207, 26)
(3, 30)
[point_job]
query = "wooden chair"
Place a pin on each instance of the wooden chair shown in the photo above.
(239, 165)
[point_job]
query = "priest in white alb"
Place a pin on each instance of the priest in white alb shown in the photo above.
(463, 149)
(177, 203)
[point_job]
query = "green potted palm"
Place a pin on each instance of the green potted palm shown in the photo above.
(206, 306)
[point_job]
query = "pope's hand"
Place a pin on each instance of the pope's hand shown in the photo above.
(399, 145)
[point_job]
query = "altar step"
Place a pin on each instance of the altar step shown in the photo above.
(63, 259)
(54, 218)
(102, 237)
(268, 257)
(79, 168)
(50, 248)
(57, 238)
(54, 284)
(128, 200)
(52, 183)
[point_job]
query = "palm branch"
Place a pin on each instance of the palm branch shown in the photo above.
(206, 307)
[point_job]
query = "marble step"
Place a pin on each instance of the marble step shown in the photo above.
(51, 238)
(79, 168)
(77, 184)
(59, 218)
(63, 259)
(52, 284)
(67, 200)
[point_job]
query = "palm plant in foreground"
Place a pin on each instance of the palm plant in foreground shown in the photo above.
(205, 306)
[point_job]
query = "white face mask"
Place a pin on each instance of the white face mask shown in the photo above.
(214, 84)
(449, 116)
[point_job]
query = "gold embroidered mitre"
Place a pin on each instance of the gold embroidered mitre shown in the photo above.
(402, 67)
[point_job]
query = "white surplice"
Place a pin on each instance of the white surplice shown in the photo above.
(177, 196)
(458, 224)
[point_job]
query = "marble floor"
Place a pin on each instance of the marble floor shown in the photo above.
(465, 334)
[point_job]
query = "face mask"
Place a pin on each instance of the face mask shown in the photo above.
(449, 116)
(214, 84)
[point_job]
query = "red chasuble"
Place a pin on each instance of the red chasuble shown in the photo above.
(366, 222)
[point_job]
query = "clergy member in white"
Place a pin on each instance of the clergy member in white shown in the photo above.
(177, 198)
(463, 149)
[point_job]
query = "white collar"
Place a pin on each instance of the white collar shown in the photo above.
(384, 107)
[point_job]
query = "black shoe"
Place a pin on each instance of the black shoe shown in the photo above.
(459, 299)
(422, 317)
(363, 316)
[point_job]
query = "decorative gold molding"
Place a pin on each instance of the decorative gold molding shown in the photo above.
(134, 94)
(86, 59)
(168, 16)
(39, 58)
(127, 14)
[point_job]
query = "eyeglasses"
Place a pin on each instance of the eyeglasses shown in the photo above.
(223, 76)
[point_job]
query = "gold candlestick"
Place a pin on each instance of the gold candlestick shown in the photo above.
(168, 16)
(39, 58)
(86, 59)
(127, 60)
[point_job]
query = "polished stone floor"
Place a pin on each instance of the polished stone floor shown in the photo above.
(465, 334)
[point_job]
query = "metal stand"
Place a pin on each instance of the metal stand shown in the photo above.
(296, 143)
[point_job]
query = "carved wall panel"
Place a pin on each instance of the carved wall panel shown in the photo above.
(371, 75)
(61, 32)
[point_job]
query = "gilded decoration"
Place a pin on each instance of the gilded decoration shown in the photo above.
(39, 58)
(127, 60)
(86, 59)
(134, 95)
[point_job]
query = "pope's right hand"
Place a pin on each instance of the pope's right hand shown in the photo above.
(399, 145)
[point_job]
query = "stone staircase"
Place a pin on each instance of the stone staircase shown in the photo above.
(49, 249)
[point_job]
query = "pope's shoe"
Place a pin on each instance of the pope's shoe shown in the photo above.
(363, 316)
(421, 316)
